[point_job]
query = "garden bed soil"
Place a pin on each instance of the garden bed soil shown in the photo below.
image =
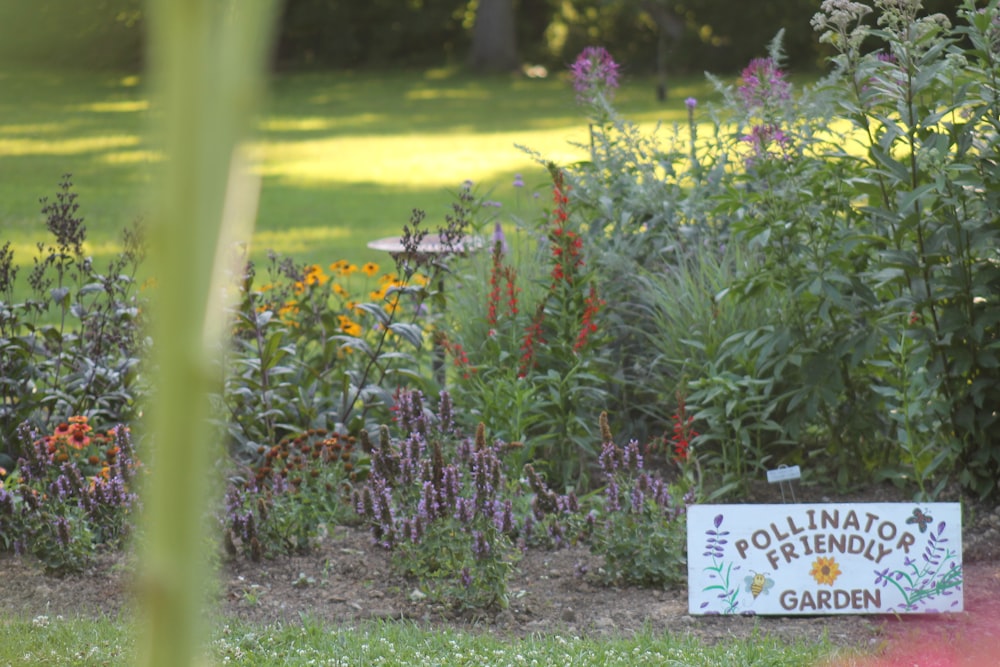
(345, 580)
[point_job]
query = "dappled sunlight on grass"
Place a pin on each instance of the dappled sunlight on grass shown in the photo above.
(32, 128)
(24, 250)
(123, 106)
(345, 156)
(132, 157)
(297, 240)
(465, 93)
(419, 160)
(67, 146)
(320, 123)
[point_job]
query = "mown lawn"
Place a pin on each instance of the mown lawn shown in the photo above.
(345, 156)
(48, 640)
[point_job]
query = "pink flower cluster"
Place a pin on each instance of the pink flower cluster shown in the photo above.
(762, 85)
(594, 73)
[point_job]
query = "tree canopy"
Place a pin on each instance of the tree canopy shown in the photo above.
(713, 35)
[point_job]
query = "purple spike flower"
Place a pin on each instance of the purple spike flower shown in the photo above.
(499, 238)
(480, 545)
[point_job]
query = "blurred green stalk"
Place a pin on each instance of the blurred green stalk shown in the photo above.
(206, 60)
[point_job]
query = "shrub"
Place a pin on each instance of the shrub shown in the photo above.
(72, 492)
(925, 107)
(280, 504)
(527, 341)
(308, 353)
(73, 347)
(436, 499)
(637, 523)
(843, 219)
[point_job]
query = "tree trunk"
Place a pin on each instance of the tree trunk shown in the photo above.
(669, 28)
(494, 43)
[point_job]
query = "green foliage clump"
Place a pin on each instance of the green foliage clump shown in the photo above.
(636, 523)
(643, 535)
(73, 348)
(279, 504)
(817, 276)
(439, 501)
(308, 353)
(72, 492)
(527, 342)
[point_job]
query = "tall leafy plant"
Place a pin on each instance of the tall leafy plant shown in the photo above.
(532, 363)
(792, 203)
(644, 202)
(925, 108)
(73, 347)
(310, 351)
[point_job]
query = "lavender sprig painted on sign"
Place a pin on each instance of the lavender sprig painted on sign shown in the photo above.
(721, 571)
(936, 572)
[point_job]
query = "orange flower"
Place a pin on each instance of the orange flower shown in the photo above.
(825, 571)
(78, 430)
(370, 269)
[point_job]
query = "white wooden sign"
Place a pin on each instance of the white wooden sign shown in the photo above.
(850, 558)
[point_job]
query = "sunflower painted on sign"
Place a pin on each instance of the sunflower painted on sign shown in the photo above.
(825, 571)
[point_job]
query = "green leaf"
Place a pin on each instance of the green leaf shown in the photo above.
(272, 352)
(411, 333)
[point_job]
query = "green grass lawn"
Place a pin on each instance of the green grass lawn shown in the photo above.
(344, 156)
(96, 641)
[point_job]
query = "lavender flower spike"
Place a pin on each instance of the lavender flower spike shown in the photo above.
(499, 237)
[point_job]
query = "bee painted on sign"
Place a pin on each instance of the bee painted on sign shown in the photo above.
(758, 583)
(825, 559)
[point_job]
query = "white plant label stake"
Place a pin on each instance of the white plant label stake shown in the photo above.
(854, 558)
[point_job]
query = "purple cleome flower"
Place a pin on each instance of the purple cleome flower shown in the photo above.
(766, 142)
(594, 73)
(762, 85)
